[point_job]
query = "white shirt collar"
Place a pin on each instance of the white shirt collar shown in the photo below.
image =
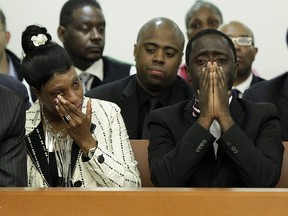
(96, 69)
(244, 85)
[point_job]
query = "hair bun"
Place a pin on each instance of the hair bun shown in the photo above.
(33, 37)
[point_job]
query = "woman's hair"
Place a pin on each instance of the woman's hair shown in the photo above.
(198, 5)
(43, 57)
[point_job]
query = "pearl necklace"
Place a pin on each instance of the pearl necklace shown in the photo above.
(58, 134)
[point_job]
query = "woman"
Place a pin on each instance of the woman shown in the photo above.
(72, 140)
(201, 15)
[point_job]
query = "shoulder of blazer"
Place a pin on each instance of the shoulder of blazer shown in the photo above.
(110, 90)
(16, 63)
(185, 87)
(115, 66)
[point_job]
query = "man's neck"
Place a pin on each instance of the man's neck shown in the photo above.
(149, 91)
(81, 64)
(241, 79)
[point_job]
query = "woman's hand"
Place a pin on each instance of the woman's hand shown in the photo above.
(77, 123)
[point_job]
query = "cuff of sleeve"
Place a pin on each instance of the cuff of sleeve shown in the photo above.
(89, 155)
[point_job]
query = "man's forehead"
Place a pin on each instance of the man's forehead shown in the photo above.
(210, 41)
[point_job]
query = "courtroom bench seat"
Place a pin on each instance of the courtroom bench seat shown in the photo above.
(283, 182)
(140, 150)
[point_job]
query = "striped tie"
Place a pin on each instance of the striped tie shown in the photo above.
(195, 109)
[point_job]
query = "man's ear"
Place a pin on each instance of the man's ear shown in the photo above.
(61, 33)
(236, 69)
(7, 37)
(135, 51)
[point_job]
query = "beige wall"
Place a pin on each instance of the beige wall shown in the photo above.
(268, 20)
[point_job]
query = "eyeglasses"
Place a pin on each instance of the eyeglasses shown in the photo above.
(242, 41)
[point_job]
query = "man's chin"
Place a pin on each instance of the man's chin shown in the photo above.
(94, 57)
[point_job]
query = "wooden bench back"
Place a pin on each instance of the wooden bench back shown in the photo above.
(140, 149)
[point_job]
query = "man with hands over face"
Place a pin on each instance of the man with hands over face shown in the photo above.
(214, 140)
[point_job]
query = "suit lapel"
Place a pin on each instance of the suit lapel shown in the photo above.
(188, 112)
(237, 111)
(38, 153)
(283, 99)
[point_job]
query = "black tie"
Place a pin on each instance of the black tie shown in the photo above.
(153, 104)
(235, 93)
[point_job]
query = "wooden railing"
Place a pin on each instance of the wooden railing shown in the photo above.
(145, 201)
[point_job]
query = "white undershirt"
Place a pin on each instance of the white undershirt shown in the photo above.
(215, 130)
(244, 85)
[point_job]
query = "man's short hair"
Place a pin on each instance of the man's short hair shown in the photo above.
(72, 5)
(207, 32)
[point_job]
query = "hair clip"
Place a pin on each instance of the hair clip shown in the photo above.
(38, 40)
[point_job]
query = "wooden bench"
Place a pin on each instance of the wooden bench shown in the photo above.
(283, 182)
(140, 149)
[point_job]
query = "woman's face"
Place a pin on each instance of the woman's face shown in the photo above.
(68, 85)
(203, 18)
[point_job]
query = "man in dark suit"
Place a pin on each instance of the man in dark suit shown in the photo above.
(214, 140)
(82, 32)
(158, 53)
(243, 39)
(13, 161)
(10, 63)
(274, 91)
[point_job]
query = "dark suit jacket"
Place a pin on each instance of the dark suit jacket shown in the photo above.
(124, 94)
(274, 91)
(13, 161)
(16, 64)
(16, 86)
(181, 152)
(113, 70)
(18, 70)
(256, 79)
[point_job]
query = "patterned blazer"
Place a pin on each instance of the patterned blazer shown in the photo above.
(116, 166)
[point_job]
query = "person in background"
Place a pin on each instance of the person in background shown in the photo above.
(201, 15)
(158, 53)
(273, 91)
(13, 159)
(10, 64)
(82, 32)
(72, 141)
(244, 42)
(214, 140)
